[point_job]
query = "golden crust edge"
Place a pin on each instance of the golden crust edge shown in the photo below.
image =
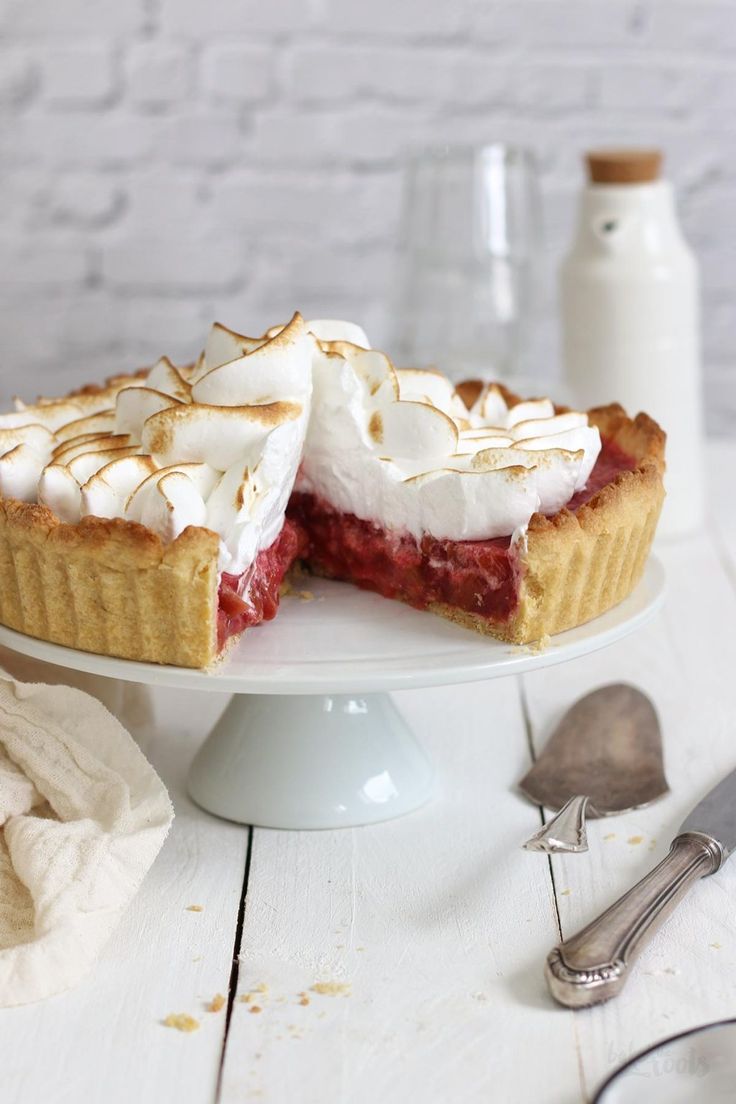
(109, 586)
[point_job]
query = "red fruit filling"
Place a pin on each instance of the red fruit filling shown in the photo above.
(479, 577)
(252, 597)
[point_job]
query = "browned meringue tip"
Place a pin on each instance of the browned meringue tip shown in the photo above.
(89, 442)
(103, 420)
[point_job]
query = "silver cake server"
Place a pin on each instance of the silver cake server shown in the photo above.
(594, 965)
(604, 758)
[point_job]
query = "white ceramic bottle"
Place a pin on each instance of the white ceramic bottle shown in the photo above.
(630, 316)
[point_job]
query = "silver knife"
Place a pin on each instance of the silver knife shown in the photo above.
(593, 966)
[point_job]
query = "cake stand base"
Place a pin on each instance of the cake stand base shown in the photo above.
(310, 761)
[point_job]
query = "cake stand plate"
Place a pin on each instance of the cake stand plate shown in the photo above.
(311, 738)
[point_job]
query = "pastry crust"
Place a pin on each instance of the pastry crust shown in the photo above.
(576, 566)
(109, 586)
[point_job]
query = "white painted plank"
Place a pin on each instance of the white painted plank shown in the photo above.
(105, 1039)
(436, 921)
(687, 665)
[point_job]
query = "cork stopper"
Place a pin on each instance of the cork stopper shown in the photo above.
(623, 166)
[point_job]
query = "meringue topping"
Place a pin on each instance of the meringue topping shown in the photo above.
(219, 443)
(401, 449)
(216, 446)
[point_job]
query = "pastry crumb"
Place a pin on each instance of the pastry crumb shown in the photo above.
(217, 1002)
(534, 647)
(245, 998)
(255, 1008)
(195, 908)
(332, 988)
(610, 836)
(715, 946)
(304, 999)
(565, 892)
(635, 839)
(306, 595)
(181, 1021)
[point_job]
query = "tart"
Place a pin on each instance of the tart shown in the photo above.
(157, 517)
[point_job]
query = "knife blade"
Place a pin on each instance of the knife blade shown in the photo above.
(593, 965)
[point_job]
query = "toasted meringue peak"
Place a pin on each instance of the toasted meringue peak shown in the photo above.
(59, 490)
(429, 386)
(173, 503)
(38, 437)
(216, 435)
(372, 368)
(168, 379)
(224, 345)
(202, 476)
(20, 468)
(106, 491)
(92, 398)
(102, 422)
(87, 463)
(281, 365)
(136, 405)
(74, 442)
(53, 416)
(89, 442)
(412, 430)
(529, 411)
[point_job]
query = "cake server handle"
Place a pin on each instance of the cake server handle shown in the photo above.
(566, 830)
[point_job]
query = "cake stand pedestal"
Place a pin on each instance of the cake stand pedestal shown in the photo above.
(311, 738)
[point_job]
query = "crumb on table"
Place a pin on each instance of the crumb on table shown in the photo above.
(304, 999)
(217, 1002)
(332, 988)
(635, 839)
(255, 1008)
(195, 908)
(181, 1021)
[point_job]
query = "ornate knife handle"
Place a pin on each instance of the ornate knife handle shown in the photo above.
(594, 965)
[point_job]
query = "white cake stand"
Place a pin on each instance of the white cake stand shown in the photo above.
(311, 738)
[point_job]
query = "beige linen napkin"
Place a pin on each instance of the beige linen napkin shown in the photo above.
(82, 817)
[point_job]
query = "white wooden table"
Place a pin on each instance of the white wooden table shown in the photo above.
(430, 931)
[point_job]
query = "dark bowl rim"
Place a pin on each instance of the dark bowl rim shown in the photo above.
(597, 1099)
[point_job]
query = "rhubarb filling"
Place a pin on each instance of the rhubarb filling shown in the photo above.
(478, 577)
(247, 599)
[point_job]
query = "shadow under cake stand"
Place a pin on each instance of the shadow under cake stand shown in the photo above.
(311, 738)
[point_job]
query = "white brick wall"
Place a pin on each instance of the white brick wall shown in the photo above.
(163, 162)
